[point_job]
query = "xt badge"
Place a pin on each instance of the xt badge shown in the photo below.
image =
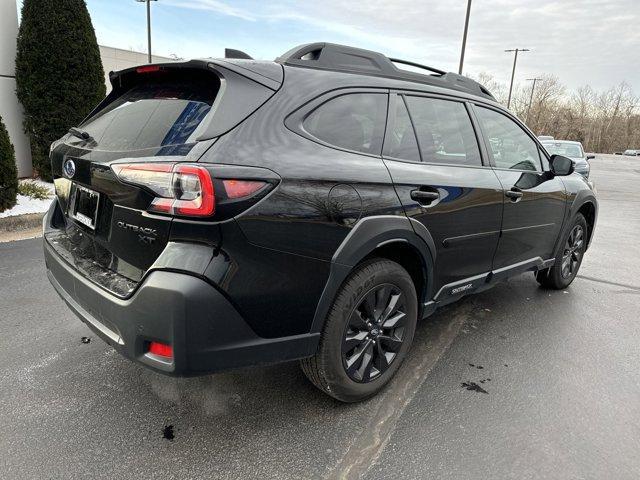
(146, 235)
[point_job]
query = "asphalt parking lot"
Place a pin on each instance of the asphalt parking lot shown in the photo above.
(558, 375)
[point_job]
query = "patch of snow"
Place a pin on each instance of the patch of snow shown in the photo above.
(30, 205)
(27, 205)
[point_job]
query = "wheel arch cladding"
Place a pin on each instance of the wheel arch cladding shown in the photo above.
(584, 202)
(588, 211)
(387, 236)
(409, 258)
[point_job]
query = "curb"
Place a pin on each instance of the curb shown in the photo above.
(21, 222)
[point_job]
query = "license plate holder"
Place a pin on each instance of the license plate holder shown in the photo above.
(84, 206)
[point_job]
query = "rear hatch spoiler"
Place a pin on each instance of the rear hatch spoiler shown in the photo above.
(237, 97)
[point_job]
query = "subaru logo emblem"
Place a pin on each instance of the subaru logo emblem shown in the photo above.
(69, 168)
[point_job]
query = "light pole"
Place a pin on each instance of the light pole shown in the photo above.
(464, 36)
(148, 2)
(513, 72)
(533, 87)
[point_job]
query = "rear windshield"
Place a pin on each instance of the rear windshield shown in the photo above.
(566, 149)
(154, 114)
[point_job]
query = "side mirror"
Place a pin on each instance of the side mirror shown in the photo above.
(590, 157)
(561, 166)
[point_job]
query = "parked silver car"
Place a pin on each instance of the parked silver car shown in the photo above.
(574, 151)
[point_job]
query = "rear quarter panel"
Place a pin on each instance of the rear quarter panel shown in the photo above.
(324, 191)
(276, 257)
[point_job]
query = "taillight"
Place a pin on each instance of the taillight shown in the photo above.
(241, 188)
(180, 189)
(148, 69)
(188, 190)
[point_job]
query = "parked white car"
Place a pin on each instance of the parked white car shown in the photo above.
(573, 150)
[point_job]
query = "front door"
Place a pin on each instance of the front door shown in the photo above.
(534, 200)
(442, 183)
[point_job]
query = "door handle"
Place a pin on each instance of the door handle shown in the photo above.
(424, 197)
(514, 195)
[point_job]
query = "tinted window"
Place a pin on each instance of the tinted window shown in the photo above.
(444, 131)
(510, 146)
(151, 115)
(354, 121)
(401, 139)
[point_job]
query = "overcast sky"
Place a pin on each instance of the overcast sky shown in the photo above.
(581, 41)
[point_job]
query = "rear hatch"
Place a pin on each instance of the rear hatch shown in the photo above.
(127, 174)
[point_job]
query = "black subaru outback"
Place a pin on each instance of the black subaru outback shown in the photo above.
(213, 213)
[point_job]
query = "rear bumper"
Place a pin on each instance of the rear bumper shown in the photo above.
(205, 330)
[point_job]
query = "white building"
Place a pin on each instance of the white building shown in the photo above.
(114, 59)
(11, 110)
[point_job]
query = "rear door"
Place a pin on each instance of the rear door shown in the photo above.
(434, 158)
(534, 200)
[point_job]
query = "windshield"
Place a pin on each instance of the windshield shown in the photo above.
(152, 115)
(571, 150)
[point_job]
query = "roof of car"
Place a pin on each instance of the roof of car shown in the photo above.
(560, 141)
(342, 58)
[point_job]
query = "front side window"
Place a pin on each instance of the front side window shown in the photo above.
(444, 131)
(509, 145)
(353, 121)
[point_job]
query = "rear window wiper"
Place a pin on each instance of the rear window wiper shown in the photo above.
(76, 132)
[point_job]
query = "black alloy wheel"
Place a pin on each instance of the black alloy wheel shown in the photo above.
(573, 250)
(568, 258)
(367, 333)
(374, 333)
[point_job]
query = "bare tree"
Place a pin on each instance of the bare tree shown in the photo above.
(605, 121)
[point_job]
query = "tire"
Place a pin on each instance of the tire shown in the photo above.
(348, 341)
(568, 259)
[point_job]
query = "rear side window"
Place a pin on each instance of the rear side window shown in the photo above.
(353, 121)
(444, 131)
(152, 115)
(401, 139)
(510, 146)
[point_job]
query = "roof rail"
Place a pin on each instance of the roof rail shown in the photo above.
(342, 58)
(413, 64)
